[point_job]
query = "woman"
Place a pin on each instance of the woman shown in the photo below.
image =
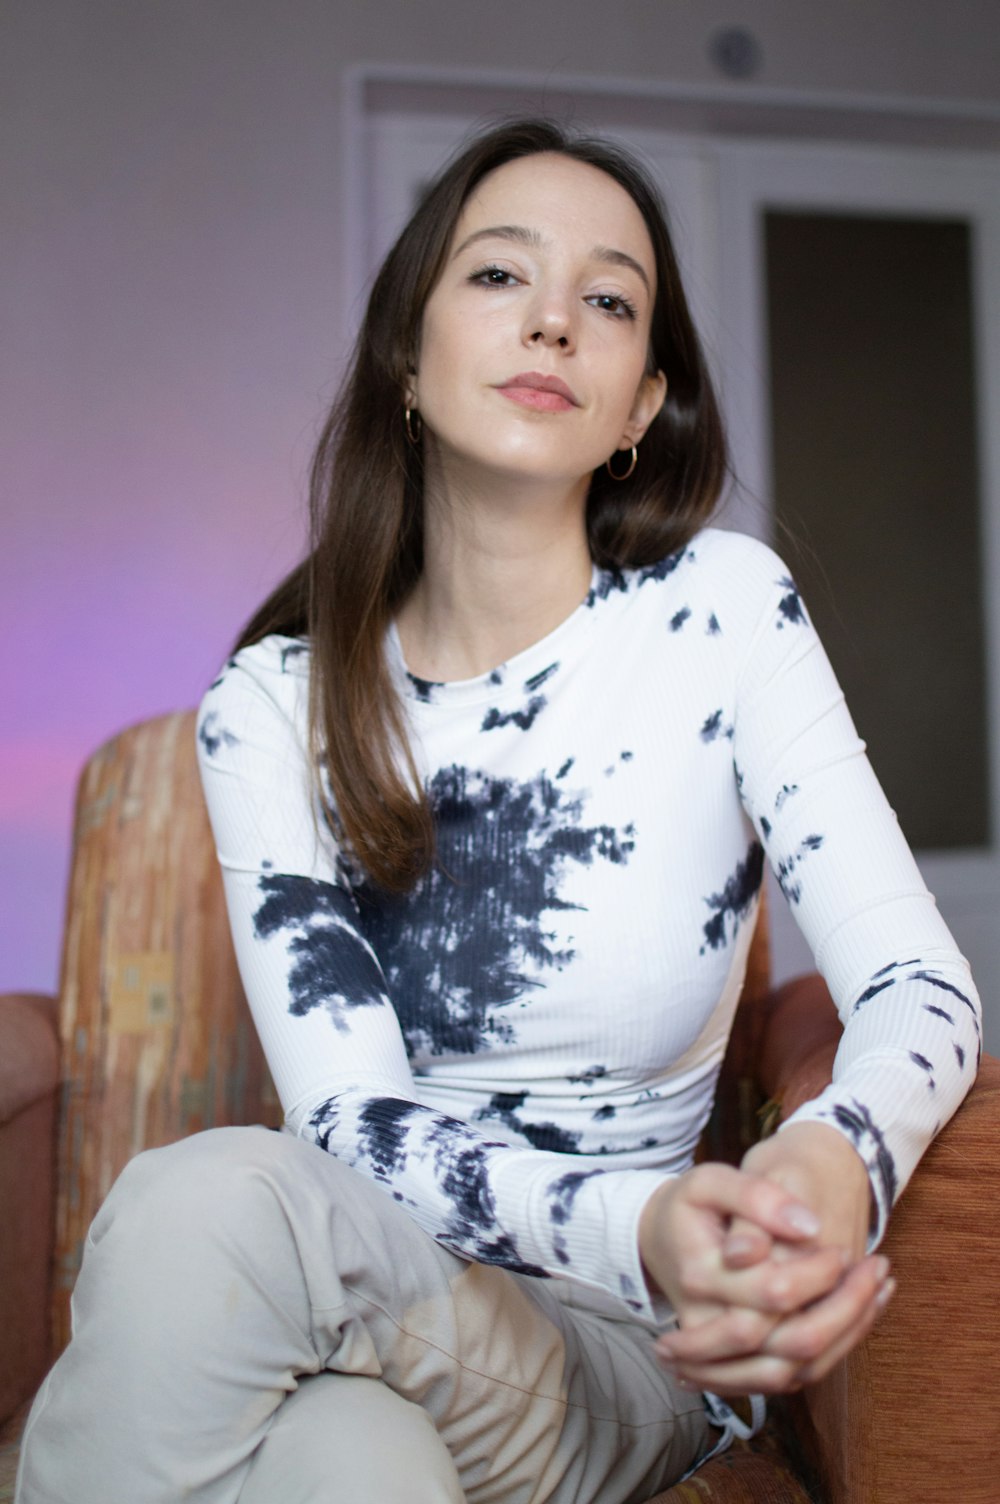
(491, 777)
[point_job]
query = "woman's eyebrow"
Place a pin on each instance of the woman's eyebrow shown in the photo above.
(519, 233)
(523, 236)
(612, 257)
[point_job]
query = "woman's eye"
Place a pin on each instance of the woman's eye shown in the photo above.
(614, 304)
(494, 276)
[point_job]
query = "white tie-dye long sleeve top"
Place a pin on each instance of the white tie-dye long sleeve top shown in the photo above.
(522, 1048)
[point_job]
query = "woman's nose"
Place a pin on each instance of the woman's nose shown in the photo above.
(550, 321)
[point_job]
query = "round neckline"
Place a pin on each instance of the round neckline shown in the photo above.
(511, 676)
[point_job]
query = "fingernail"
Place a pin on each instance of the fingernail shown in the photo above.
(882, 1267)
(738, 1246)
(885, 1293)
(801, 1219)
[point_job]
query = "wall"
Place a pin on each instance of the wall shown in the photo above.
(175, 316)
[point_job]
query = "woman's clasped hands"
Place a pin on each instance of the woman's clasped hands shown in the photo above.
(764, 1265)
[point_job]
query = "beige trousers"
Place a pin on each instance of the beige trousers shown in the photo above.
(257, 1322)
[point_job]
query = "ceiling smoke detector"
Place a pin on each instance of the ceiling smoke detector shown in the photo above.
(736, 52)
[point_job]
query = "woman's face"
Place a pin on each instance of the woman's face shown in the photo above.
(533, 348)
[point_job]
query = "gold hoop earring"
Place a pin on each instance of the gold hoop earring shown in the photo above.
(625, 473)
(412, 433)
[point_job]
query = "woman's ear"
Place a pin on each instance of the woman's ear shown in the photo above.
(648, 400)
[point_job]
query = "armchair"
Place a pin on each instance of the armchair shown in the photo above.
(151, 1040)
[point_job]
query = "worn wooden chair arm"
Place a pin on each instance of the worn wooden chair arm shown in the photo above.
(29, 1078)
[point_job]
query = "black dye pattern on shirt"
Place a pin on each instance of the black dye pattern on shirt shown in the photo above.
(894, 966)
(925, 1065)
(736, 897)
(881, 979)
(537, 680)
(332, 967)
(383, 1129)
(928, 976)
(461, 1170)
(562, 1194)
(790, 607)
(679, 618)
(230, 663)
(423, 688)
(785, 792)
(607, 582)
(626, 1286)
(872, 991)
(524, 719)
(791, 863)
(503, 1107)
(664, 567)
(471, 936)
(293, 650)
(324, 1120)
(212, 736)
(611, 580)
(713, 728)
(857, 1122)
(589, 1076)
(713, 629)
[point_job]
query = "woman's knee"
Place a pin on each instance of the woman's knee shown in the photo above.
(221, 1173)
(351, 1439)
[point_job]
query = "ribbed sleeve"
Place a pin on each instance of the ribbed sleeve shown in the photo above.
(910, 1011)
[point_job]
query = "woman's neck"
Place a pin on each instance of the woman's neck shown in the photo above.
(500, 572)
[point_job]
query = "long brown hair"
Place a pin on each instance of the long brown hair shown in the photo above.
(366, 501)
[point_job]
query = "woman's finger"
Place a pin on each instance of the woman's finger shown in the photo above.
(798, 1350)
(745, 1244)
(779, 1286)
(759, 1374)
(737, 1331)
(764, 1373)
(807, 1336)
(737, 1193)
(685, 1222)
(822, 1366)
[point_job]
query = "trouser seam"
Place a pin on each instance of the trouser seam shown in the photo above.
(558, 1399)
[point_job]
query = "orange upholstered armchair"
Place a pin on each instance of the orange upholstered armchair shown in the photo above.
(150, 1040)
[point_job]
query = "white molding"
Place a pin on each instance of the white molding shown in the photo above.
(747, 95)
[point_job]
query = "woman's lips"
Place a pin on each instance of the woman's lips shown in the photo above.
(544, 402)
(546, 394)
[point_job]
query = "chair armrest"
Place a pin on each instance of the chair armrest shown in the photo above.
(911, 1415)
(29, 1077)
(780, 1051)
(29, 1050)
(797, 1038)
